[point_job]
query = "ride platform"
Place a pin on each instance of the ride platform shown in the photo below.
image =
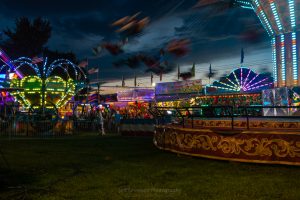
(257, 140)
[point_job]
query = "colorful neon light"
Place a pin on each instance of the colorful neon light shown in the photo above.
(282, 58)
(294, 55)
(273, 43)
(279, 18)
(262, 17)
(44, 88)
(243, 80)
(4, 58)
(57, 91)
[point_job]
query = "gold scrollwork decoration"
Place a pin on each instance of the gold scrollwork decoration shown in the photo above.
(249, 146)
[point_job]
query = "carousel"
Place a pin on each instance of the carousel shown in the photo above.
(241, 117)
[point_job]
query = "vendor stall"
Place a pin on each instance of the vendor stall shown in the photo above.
(133, 106)
(134, 103)
(177, 94)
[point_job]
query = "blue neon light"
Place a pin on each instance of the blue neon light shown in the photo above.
(274, 10)
(244, 4)
(292, 13)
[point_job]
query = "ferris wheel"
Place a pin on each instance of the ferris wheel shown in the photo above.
(243, 80)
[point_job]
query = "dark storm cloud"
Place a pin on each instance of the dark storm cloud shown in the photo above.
(80, 25)
(84, 24)
(212, 37)
(78, 18)
(217, 36)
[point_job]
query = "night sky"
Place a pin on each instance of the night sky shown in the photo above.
(217, 35)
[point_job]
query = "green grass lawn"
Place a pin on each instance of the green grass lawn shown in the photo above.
(115, 167)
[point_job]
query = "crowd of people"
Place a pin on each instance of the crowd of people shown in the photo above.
(107, 119)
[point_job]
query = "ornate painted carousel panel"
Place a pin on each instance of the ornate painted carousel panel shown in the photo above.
(274, 147)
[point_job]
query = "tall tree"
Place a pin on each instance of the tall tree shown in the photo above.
(27, 38)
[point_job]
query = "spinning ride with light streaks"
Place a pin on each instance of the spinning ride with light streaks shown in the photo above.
(243, 80)
(281, 19)
(44, 86)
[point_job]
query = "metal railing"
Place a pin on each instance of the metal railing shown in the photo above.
(46, 128)
(165, 115)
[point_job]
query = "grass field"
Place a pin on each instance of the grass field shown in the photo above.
(115, 167)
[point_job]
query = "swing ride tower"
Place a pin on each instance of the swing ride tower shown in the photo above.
(281, 19)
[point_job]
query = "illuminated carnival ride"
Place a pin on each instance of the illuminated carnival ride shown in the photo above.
(229, 120)
(281, 21)
(41, 89)
(242, 80)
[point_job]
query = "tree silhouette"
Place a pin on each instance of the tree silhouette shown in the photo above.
(53, 55)
(28, 38)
